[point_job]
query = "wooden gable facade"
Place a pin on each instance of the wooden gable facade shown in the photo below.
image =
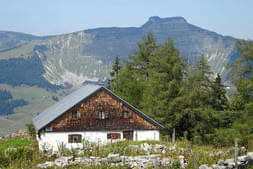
(100, 112)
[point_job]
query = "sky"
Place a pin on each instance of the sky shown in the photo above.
(50, 17)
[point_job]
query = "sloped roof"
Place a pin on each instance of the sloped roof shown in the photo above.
(53, 112)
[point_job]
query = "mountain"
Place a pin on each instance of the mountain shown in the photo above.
(48, 67)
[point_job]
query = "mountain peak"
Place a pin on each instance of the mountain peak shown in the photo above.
(177, 19)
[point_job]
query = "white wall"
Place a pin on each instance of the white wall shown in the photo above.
(51, 140)
(146, 135)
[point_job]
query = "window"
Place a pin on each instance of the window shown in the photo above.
(75, 115)
(75, 138)
(103, 115)
(113, 136)
(128, 135)
(125, 114)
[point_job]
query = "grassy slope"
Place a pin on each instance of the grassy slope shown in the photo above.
(38, 99)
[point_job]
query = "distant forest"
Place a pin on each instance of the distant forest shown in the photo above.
(7, 104)
(20, 71)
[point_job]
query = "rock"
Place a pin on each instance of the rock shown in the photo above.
(227, 161)
(114, 158)
(133, 147)
(215, 166)
(155, 156)
(182, 161)
(243, 158)
(146, 147)
(243, 150)
(92, 158)
(221, 162)
(250, 154)
(133, 165)
(165, 162)
(219, 153)
(158, 148)
(64, 161)
(172, 148)
(46, 164)
(204, 166)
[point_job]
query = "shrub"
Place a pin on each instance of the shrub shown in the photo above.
(31, 130)
(225, 137)
(197, 140)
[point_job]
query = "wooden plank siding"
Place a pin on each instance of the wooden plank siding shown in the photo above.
(88, 120)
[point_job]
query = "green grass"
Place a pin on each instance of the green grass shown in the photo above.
(14, 143)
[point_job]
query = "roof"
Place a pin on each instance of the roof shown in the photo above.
(53, 112)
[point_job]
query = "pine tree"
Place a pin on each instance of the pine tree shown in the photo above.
(242, 76)
(219, 99)
(197, 85)
(166, 71)
(115, 71)
(116, 67)
(133, 77)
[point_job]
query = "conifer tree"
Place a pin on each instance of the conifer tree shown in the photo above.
(165, 70)
(242, 76)
(116, 67)
(115, 71)
(219, 99)
(133, 77)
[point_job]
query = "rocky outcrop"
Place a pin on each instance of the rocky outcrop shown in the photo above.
(244, 161)
(111, 159)
(22, 133)
(151, 159)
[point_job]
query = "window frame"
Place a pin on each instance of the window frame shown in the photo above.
(77, 115)
(74, 138)
(113, 136)
(125, 115)
(102, 115)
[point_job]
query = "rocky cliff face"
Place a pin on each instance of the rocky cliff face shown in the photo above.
(87, 55)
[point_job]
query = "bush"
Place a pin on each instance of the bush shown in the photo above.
(31, 130)
(197, 140)
(225, 137)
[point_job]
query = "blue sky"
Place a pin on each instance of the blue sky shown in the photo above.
(47, 17)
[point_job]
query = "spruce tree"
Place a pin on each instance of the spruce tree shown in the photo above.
(242, 76)
(115, 67)
(219, 99)
(115, 71)
(166, 71)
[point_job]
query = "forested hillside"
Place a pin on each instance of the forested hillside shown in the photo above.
(7, 103)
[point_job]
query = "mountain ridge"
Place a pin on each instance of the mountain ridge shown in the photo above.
(67, 60)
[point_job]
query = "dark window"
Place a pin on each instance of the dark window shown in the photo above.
(125, 114)
(75, 138)
(103, 115)
(113, 136)
(128, 135)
